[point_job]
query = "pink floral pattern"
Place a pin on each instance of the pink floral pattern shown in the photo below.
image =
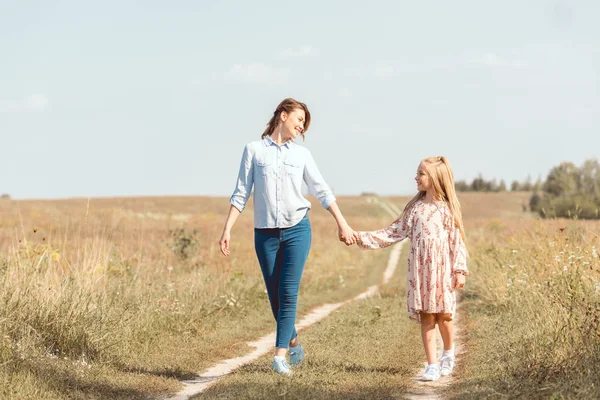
(437, 251)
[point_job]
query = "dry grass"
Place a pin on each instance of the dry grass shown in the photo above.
(96, 304)
(533, 306)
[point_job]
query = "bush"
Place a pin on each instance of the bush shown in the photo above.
(570, 192)
(183, 243)
(534, 202)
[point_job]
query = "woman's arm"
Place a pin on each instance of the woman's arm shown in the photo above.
(239, 198)
(234, 213)
(245, 180)
(345, 233)
(321, 190)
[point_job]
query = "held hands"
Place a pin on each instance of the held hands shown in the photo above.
(347, 234)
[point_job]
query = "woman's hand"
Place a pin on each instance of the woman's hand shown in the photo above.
(234, 213)
(224, 243)
(346, 234)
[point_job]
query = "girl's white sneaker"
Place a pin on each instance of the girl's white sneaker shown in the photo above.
(446, 365)
(432, 372)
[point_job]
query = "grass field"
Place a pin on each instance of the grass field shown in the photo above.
(110, 299)
(120, 298)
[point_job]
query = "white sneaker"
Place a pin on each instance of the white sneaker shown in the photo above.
(432, 372)
(446, 365)
(281, 367)
(296, 355)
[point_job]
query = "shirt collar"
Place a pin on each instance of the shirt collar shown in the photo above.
(268, 142)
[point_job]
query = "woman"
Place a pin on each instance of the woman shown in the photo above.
(276, 167)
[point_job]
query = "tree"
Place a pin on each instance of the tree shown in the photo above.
(527, 186)
(478, 184)
(570, 192)
(461, 186)
(561, 180)
(502, 186)
(537, 186)
(589, 179)
(534, 202)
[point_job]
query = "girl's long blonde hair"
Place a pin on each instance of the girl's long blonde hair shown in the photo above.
(442, 179)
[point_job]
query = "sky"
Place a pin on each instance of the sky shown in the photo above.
(152, 98)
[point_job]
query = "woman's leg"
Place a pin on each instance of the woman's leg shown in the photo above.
(295, 248)
(446, 329)
(428, 336)
(267, 243)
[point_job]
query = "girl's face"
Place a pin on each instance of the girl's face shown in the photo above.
(293, 123)
(422, 179)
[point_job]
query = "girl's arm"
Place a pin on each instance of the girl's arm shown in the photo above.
(379, 239)
(458, 252)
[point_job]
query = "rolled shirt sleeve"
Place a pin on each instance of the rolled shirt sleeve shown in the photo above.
(245, 180)
(316, 184)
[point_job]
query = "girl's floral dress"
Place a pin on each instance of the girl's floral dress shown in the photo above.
(437, 251)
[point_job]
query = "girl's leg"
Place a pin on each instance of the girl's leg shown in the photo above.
(295, 247)
(428, 336)
(446, 329)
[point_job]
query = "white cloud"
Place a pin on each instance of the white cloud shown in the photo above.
(257, 73)
(370, 71)
(384, 71)
(301, 51)
(494, 60)
(579, 108)
(344, 92)
(34, 102)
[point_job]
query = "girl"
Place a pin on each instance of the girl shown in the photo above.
(276, 167)
(432, 221)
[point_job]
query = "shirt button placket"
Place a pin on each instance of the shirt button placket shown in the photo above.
(279, 177)
(277, 184)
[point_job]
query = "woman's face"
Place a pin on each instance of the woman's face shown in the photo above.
(293, 123)
(422, 179)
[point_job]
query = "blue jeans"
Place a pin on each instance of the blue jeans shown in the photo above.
(282, 254)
